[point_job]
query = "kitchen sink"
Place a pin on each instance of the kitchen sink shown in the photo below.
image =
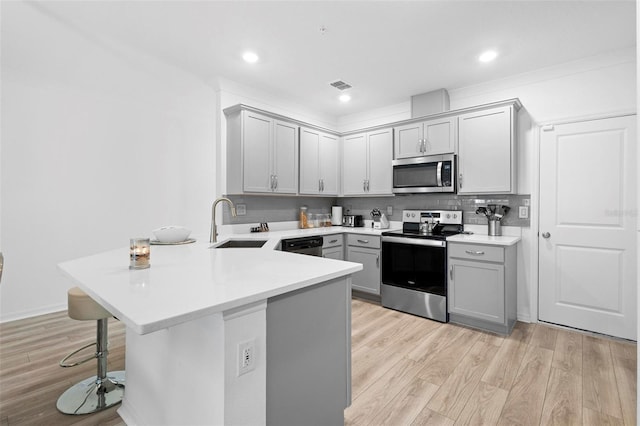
(242, 244)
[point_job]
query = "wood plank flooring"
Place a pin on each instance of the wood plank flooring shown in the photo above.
(406, 370)
(411, 371)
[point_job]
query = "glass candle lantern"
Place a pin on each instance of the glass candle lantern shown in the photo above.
(139, 253)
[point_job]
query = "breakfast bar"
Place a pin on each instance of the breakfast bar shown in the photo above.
(228, 336)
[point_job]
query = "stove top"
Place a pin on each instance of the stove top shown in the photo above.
(445, 224)
(439, 235)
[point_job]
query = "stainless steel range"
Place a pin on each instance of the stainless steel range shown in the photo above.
(414, 263)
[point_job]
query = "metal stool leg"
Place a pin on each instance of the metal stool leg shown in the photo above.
(96, 393)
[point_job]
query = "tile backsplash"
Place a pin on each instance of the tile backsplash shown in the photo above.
(286, 208)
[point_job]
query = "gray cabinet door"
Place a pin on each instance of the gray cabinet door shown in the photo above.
(336, 253)
(354, 172)
(486, 159)
(285, 158)
(476, 289)
(379, 170)
(257, 153)
(368, 279)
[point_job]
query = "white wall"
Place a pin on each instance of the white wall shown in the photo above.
(99, 144)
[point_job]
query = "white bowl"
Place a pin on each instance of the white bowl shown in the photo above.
(171, 234)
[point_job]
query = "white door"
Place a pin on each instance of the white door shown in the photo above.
(257, 153)
(587, 264)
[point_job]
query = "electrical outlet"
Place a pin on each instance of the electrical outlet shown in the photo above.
(241, 209)
(246, 357)
(523, 212)
(389, 210)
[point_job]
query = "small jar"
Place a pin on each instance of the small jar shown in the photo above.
(304, 220)
(311, 220)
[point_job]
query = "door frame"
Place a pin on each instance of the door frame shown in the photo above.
(535, 200)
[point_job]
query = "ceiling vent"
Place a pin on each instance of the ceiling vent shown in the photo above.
(340, 85)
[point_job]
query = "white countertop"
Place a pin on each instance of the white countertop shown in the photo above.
(191, 281)
(504, 240)
(273, 238)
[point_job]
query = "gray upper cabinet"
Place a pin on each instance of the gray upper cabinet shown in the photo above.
(366, 163)
(487, 151)
(430, 137)
(262, 154)
(318, 163)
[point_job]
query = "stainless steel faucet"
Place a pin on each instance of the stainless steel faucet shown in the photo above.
(214, 231)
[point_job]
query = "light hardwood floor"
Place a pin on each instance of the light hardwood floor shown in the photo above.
(406, 371)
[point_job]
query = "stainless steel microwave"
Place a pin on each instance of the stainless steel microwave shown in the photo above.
(434, 173)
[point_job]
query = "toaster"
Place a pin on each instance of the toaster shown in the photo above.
(353, 220)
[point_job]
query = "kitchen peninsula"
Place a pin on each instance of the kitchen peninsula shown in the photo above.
(197, 310)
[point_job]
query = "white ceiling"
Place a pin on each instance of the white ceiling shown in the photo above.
(388, 50)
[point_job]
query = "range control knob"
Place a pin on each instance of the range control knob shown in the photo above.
(413, 215)
(449, 216)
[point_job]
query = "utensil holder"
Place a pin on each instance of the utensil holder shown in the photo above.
(495, 228)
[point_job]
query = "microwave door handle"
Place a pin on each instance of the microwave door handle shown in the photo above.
(439, 173)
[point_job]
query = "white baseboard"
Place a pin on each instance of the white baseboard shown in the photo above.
(32, 313)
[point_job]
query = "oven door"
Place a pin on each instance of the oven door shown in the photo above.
(414, 263)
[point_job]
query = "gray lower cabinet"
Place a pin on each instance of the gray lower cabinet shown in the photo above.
(365, 249)
(482, 286)
(309, 355)
(333, 247)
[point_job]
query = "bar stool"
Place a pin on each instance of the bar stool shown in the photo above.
(104, 389)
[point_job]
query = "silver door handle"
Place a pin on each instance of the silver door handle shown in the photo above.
(546, 235)
(333, 241)
(271, 185)
(322, 180)
(377, 261)
(460, 181)
(475, 253)
(364, 185)
(363, 241)
(451, 272)
(275, 182)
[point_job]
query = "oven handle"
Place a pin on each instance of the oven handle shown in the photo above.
(414, 241)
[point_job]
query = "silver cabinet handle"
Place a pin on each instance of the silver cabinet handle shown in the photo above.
(364, 185)
(367, 185)
(475, 253)
(546, 235)
(377, 261)
(451, 272)
(333, 241)
(322, 184)
(460, 181)
(275, 182)
(363, 241)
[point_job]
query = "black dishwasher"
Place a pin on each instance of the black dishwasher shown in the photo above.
(311, 246)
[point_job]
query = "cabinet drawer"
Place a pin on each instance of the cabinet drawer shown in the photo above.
(476, 252)
(361, 240)
(332, 240)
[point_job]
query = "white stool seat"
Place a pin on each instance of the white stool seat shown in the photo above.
(84, 308)
(105, 389)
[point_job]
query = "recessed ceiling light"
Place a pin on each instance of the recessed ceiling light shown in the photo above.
(344, 98)
(488, 56)
(250, 57)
